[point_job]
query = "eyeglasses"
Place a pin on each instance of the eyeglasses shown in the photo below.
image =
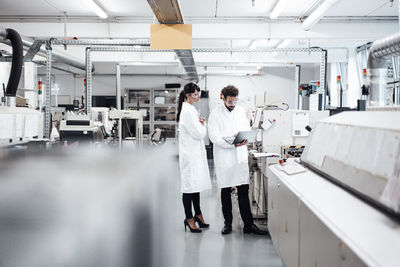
(234, 102)
(195, 94)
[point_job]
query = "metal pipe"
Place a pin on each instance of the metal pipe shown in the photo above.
(106, 42)
(11, 101)
(2, 33)
(118, 70)
(377, 69)
(47, 114)
(298, 81)
(57, 56)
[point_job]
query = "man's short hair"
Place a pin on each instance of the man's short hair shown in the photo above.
(230, 90)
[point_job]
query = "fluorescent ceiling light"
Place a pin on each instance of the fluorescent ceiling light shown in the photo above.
(263, 43)
(317, 15)
(150, 64)
(232, 72)
(285, 43)
(218, 70)
(279, 7)
(96, 9)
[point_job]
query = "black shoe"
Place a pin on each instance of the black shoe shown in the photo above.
(227, 229)
(199, 219)
(192, 230)
(255, 230)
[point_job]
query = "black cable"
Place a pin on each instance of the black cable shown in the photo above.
(129, 130)
(4, 92)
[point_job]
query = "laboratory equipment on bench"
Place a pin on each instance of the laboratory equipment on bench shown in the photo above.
(79, 128)
(124, 117)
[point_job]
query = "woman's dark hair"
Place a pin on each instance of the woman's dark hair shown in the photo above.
(189, 88)
(230, 90)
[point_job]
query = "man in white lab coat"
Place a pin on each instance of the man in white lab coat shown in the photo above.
(231, 165)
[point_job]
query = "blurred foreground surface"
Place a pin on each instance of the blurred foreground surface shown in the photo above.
(88, 207)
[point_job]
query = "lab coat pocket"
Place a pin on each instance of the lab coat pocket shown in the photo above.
(241, 154)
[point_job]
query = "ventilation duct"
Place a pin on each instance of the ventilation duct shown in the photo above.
(16, 65)
(380, 51)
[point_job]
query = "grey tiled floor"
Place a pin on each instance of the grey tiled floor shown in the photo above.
(211, 248)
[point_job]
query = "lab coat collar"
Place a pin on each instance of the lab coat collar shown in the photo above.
(188, 105)
(224, 109)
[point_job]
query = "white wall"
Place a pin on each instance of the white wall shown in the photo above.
(279, 82)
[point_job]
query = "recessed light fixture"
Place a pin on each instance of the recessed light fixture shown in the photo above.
(96, 8)
(317, 15)
(279, 7)
(285, 43)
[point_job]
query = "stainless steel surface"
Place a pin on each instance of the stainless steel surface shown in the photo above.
(33, 50)
(118, 77)
(209, 50)
(2, 33)
(119, 42)
(322, 77)
(47, 114)
(11, 101)
(58, 56)
(297, 84)
(88, 81)
(377, 68)
(166, 12)
(189, 67)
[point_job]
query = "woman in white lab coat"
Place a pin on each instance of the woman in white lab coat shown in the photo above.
(194, 173)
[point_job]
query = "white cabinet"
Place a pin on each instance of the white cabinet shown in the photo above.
(308, 220)
(319, 246)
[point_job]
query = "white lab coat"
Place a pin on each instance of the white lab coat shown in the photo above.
(194, 173)
(231, 163)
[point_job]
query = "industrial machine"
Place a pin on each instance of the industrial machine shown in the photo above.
(341, 207)
(18, 124)
(79, 127)
(122, 116)
(284, 135)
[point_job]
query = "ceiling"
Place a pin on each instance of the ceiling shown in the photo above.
(233, 13)
(206, 9)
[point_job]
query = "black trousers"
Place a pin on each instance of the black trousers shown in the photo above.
(188, 199)
(244, 204)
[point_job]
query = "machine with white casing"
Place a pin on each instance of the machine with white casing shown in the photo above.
(343, 209)
(17, 125)
(280, 129)
(78, 127)
(123, 115)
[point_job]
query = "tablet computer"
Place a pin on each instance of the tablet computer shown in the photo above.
(250, 136)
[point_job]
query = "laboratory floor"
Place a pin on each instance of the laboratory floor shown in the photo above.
(211, 248)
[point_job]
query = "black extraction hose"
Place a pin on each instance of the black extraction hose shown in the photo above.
(17, 61)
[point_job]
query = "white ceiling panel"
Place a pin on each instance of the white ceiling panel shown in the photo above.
(296, 7)
(191, 8)
(130, 8)
(364, 8)
(203, 8)
(244, 8)
(43, 8)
